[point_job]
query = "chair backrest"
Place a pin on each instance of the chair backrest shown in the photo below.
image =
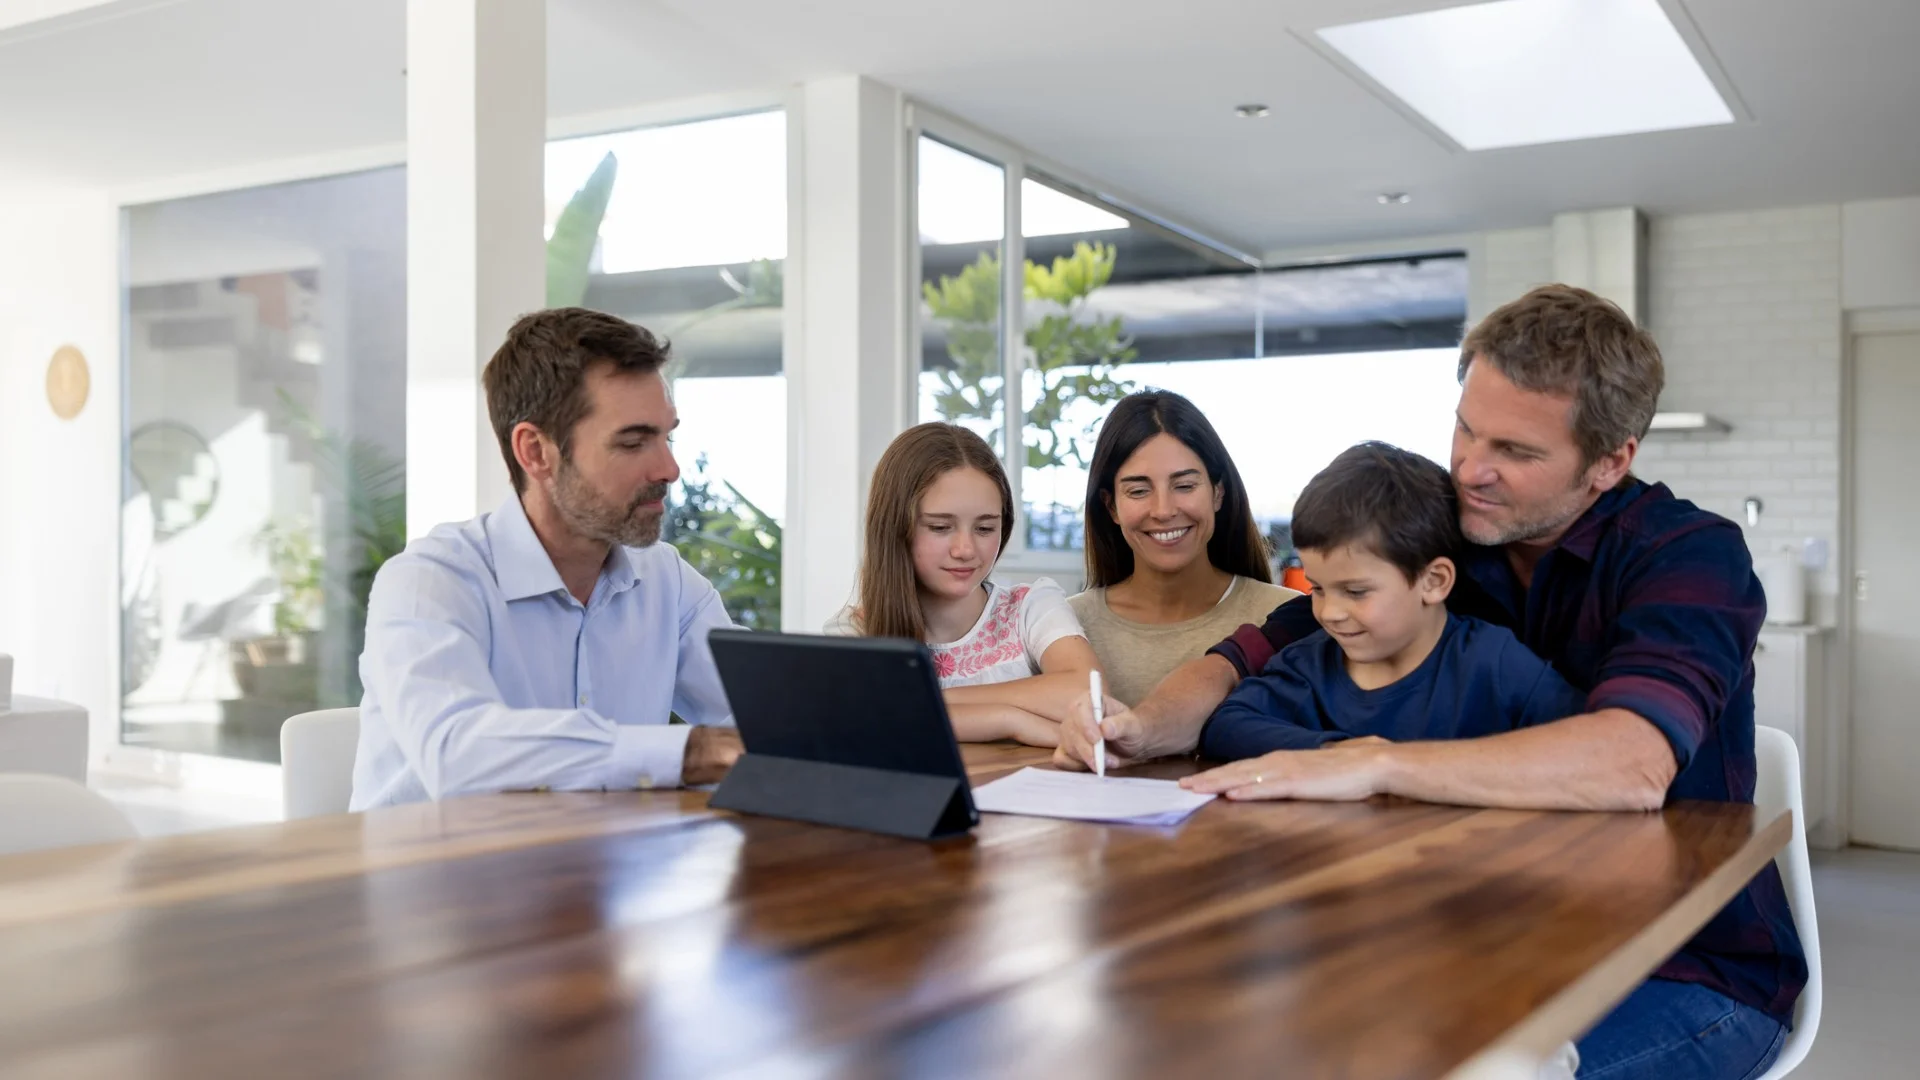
(39, 811)
(1777, 787)
(316, 761)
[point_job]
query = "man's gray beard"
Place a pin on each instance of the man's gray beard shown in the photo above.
(586, 514)
(1553, 519)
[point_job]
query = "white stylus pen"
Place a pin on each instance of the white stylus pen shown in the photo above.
(1099, 718)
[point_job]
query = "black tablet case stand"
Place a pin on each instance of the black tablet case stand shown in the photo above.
(913, 805)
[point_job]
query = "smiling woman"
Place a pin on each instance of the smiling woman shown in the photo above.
(1175, 561)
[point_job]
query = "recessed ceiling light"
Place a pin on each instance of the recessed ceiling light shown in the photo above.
(1250, 112)
(1393, 198)
(1523, 72)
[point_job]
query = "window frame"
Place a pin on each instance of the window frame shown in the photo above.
(1018, 164)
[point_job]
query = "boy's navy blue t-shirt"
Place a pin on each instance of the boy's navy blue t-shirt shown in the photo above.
(1478, 680)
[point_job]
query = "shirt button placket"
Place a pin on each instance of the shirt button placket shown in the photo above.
(581, 676)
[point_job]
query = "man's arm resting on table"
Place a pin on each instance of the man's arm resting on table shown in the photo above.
(1607, 760)
(444, 712)
(426, 664)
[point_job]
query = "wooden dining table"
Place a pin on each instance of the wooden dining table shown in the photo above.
(644, 934)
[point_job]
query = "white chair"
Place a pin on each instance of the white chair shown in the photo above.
(316, 761)
(39, 811)
(40, 735)
(1777, 787)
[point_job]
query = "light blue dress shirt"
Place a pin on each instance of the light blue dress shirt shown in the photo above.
(483, 673)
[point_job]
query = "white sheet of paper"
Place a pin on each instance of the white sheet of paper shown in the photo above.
(1085, 797)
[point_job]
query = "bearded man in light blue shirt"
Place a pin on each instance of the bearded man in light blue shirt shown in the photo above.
(546, 644)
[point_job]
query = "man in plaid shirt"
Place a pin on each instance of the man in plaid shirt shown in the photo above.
(1642, 601)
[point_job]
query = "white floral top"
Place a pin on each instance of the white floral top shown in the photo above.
(1014, 631)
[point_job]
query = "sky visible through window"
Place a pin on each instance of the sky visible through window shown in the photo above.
(714, 192)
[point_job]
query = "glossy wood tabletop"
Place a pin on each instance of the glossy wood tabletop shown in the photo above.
(643, 934)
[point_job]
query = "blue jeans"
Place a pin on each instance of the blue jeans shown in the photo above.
(1680, 1031)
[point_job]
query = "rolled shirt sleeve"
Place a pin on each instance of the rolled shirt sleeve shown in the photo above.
(1250, 648)
(1679, 645)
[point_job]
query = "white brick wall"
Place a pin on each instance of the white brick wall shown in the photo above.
(1746, 308)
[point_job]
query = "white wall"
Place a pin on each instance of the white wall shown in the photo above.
(60, 480)
(1746, 308)
(1880, 248)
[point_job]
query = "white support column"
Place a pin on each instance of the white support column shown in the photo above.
(849, 382)
(476, 260)
(1604, 251)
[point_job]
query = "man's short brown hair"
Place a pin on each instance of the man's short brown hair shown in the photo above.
(1559, 339)
(539, 374)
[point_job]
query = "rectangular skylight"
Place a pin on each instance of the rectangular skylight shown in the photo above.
(1522, 72)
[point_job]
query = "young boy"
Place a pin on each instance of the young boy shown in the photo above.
(1375, 531)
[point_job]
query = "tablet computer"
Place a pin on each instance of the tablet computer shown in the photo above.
(846, 731)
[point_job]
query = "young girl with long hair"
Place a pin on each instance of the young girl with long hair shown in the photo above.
(1011, 659)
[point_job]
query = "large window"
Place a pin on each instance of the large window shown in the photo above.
(1109, 310)
(1290, 364)
(266, 407)
(963, 214)
(264, 454)
(692, 244)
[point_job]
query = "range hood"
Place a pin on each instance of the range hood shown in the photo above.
(1684, 423)
(1606, 251)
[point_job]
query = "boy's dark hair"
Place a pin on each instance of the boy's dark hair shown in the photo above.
(1391, 502)
(539, 374)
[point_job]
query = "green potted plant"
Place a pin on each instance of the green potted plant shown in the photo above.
(279, 673)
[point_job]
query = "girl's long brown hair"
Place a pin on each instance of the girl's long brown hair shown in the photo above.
(889, 589)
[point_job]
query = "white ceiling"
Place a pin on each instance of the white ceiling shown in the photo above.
(1137, 93)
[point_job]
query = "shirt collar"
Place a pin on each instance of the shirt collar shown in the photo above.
(522, 566)
(1489, 565)
(1584, 537)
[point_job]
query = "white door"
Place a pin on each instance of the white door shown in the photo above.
(1886, 608)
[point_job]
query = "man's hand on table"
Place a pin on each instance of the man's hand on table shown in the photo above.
(1344, 771)
(711, 751)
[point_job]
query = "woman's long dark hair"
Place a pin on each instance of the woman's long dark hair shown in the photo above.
(1236, 546)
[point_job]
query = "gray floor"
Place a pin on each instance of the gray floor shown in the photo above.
(1868, 902)
(1869, 912)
